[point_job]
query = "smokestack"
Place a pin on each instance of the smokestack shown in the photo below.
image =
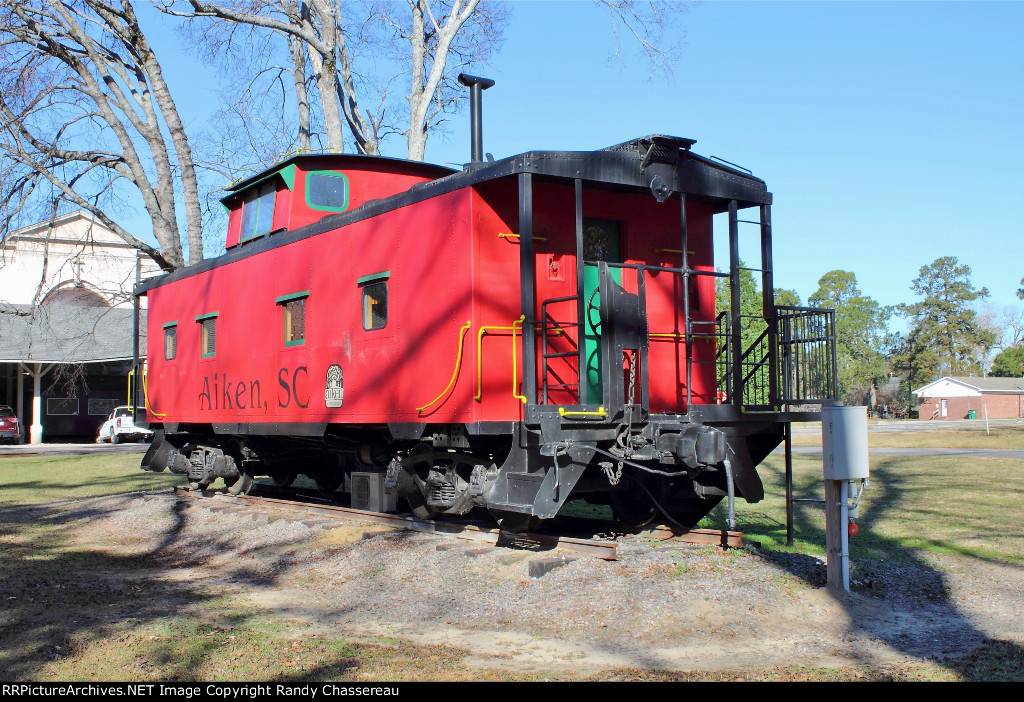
(476, 87)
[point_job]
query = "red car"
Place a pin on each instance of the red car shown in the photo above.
(9, 429)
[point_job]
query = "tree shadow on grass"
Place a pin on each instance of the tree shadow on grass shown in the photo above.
(64, 602)
(898, 596)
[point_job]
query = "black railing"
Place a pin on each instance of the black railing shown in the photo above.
(550, 327)
(807, 355)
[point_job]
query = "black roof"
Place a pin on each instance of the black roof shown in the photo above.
(429, 170)
(632, 165)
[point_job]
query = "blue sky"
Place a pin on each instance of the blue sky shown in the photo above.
(889, 133)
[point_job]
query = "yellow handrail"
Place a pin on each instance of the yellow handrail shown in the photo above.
(145, 395)
(458, 364)
(130, 374)
(479, 356)
(563, 412)
(506, 235)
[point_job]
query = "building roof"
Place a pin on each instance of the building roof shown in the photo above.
(66, 334)
(982, 385)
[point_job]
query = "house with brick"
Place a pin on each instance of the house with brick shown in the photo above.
(957, 397)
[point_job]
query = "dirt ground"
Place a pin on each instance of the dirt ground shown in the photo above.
(661, 607)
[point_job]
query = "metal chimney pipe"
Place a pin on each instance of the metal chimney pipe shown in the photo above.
(476, 87)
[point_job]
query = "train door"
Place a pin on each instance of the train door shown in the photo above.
(602, 241)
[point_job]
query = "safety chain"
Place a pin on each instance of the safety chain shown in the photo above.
(614, 476)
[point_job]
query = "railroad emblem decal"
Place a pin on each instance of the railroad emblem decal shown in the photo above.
(335, 392)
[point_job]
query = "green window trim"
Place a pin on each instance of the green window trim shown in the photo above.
(287, 321)
(374, 277)
(329, 174)
(259, 202)
(171, 324)
(287, 175)
(208, 315)
(293, 296)
(170, 341)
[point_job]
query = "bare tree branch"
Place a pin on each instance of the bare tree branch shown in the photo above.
(89, 108)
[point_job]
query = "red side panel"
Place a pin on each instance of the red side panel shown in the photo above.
(387, 373)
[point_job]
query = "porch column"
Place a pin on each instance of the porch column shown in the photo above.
(36, 432)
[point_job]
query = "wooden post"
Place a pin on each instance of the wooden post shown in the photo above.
(834, 534)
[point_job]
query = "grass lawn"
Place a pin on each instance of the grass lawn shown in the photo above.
(33, 479)
(943, 504)
(67, 611)
(1002, 437)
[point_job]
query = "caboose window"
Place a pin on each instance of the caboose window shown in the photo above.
(258, 210)
(294, 317)
(207, 334)
(170, 340)
(327, 190)
(375, 305)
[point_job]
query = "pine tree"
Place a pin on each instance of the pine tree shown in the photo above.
(862, 336)
(946, 336)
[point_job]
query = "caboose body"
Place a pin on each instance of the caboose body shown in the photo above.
(504, 336)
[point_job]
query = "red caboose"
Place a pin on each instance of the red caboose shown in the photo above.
(504, 336)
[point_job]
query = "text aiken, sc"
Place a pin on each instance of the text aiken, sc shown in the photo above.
(223, 394)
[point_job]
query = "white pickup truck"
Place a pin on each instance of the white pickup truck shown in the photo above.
(120, 426)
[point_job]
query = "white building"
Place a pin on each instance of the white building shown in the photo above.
(66, 319)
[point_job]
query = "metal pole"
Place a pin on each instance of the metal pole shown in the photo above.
(768, 304)
(581, 311)
(787, 438)
(21, 403)
(687, 323)
(527, 299)
(136, 370)
(734, 300)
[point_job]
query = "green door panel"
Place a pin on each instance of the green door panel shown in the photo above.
(602, 241)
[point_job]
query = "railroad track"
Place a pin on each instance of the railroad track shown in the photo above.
(604, 546)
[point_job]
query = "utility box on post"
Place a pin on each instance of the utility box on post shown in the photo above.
(844, 453)
(844, 442)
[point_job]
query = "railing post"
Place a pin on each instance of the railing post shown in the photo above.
(736, 396)
(581, 311)
(528, 281)
(768, 303)
(687, 323)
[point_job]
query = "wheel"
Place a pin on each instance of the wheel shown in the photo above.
(328, 480)
(592, 307)
(241, 486)
(283, 481)
(515, 522)
(115, 439)
(196, 485)
(634, 506)
(419, 507)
